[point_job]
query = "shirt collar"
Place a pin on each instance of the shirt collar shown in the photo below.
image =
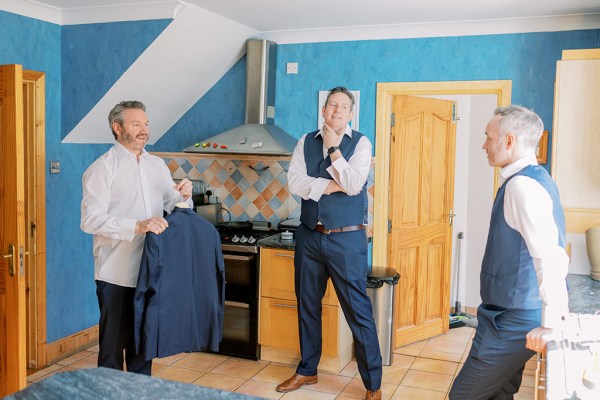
(516, 166)
(347, 131)
(122, 151)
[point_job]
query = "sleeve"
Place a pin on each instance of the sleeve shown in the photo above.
(144, 289)
(95, 219)
(171, 196)
(299, 182)
(528, 209)
(351, 175)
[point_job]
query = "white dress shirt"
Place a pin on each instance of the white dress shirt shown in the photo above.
(118, 191)
(528, 210)
(350, 174)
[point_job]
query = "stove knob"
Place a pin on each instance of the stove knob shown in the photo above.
(235, 239)
(244, 239)
(251, 240)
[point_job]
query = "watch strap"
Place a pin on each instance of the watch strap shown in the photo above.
(332, 149)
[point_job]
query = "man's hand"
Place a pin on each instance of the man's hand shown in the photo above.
(538, 338)
(331, 137)
(333, 187)
(155, 225)
(184, 188)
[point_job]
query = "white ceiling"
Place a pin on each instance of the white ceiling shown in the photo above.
(282, 15)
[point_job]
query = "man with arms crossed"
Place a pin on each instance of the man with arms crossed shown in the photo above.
(329, 172)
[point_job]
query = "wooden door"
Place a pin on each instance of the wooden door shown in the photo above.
(12, 234)
(421, 200)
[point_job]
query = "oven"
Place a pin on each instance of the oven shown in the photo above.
(241, 256)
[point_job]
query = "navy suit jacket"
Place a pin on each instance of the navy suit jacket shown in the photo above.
(180, 294)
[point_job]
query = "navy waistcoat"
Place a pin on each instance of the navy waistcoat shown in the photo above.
(508, 278)
(337, 209)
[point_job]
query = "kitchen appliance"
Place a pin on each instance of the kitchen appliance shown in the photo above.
(241, 255)
(211, 212)
(289, 225)
(257, 135)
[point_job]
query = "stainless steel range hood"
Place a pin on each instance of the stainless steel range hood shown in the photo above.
(256, 136)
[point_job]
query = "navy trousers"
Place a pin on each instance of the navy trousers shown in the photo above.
(116, 329)
(495, 365)
(343, 258)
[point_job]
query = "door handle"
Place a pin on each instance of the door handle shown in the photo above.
(451, 216)
(10, 257)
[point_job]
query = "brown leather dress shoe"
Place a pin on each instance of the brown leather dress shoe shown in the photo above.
(297, 381)
(373, 395)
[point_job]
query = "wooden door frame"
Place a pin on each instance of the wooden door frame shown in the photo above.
(35, 134)
(385, 94)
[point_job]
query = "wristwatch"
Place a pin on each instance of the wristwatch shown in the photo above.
(332, 149)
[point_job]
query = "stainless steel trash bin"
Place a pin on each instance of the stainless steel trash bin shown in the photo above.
(381, 283)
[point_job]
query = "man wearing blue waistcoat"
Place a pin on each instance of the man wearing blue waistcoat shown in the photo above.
(329, 171)
(523, 286)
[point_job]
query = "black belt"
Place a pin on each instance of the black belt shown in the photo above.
(322, 229)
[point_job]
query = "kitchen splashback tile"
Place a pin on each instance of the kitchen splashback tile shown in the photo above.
(249, 189)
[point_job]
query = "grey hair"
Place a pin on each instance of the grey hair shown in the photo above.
(522, 122)
(116, 114)
(340, 89)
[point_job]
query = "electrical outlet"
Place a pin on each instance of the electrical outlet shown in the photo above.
(217, 193)
(292, 67)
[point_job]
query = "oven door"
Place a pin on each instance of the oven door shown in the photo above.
(241, 276)
(240, 330)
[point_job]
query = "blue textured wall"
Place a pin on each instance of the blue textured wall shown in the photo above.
(81, 62)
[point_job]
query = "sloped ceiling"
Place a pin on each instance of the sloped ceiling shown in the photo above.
(173, 73)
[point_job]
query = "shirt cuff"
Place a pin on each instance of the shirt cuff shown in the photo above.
(127, 229)
(317, 189)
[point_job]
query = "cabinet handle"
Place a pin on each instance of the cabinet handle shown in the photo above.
(284, 255)
(284, 305)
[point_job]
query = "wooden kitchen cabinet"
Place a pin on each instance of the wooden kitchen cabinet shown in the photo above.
(278, 326)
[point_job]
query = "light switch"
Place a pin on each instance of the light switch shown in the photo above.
(292, 68)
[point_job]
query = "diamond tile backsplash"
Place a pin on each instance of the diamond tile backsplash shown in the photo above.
(250, 190)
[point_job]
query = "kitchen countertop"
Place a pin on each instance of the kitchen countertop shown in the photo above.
(276, 242)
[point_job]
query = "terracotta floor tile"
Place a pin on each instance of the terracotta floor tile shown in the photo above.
(355, 389)
(350, 370)
(427, 380)
(412, 349)
(440, 355)
(58, 371)
(436, 366)
(169, 360)
(330, 383)
(259, 389)
(217, 381)
(274, 373)
(412, 393)
(402, 361)
(179, 374)
(75, 357)
(200, 361)
(95, 348)
(91, 361)
(393, 375)
(239, 368)
(303, 394)
(446, 346)
(43, 372)
(157, 367)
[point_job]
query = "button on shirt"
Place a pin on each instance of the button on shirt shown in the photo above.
(528, 210)
(118, 191)
(350, 174)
